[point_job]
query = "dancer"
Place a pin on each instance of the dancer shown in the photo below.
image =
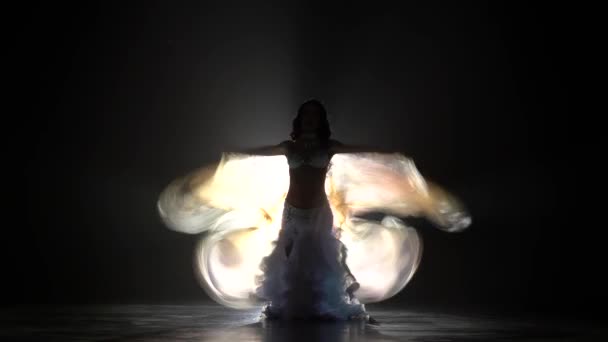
(283, 223)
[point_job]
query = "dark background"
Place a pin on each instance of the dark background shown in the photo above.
(121, 99)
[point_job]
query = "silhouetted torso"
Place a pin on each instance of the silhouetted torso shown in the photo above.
(307, 172)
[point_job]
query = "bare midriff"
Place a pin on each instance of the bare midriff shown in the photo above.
(306, 187)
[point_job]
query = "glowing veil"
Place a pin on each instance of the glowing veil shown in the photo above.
(238, 203)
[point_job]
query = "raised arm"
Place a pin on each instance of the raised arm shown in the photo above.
(338, 147)
(267, 150)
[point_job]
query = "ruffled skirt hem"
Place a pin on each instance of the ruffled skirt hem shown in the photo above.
(306, 275)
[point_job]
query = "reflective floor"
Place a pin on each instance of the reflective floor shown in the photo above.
(215, 323)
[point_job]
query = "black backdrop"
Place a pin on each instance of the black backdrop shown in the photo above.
(121, 99)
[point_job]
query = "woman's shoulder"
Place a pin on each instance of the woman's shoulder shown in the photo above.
(334, 142)
(287, 146)
(286, 143)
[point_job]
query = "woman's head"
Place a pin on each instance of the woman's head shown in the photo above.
(311, 118)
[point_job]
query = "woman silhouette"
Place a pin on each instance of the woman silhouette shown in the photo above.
(299, 268)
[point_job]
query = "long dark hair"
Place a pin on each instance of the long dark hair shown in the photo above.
(323, 131)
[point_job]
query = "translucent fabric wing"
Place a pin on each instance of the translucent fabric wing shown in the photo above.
(238, 202)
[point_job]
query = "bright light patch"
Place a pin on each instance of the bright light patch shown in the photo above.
(238, 202)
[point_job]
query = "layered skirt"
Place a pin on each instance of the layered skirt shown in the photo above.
(306, 274)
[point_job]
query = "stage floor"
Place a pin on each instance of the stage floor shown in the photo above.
(215, 323)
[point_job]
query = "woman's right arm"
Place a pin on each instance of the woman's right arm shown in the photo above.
(267, 150)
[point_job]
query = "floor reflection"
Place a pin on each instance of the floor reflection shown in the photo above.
(216, 323)
(319, 331)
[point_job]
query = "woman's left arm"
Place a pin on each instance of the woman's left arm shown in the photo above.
(337, 147)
